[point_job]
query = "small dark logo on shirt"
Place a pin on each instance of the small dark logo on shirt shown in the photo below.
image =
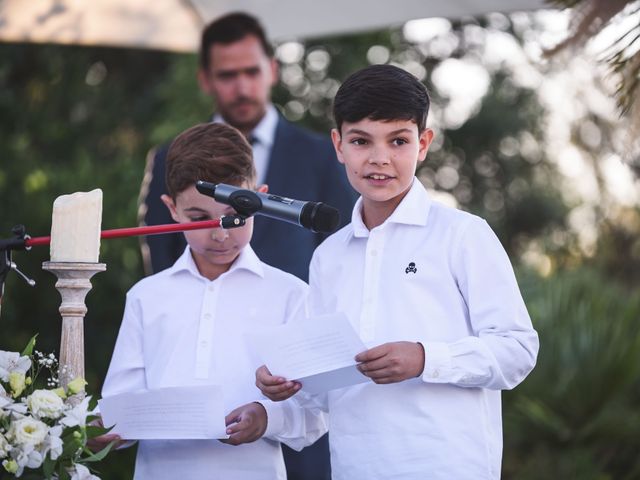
(411, 268)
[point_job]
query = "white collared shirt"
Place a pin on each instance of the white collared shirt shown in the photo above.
(438, 276)
(179, 328)
(264, 135)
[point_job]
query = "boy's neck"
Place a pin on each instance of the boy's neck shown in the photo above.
(374, 216)
(375, 213)
(210, 271)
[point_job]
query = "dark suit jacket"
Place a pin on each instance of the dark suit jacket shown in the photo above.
(302, 166)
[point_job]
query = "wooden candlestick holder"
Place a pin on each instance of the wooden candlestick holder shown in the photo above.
(74, 282)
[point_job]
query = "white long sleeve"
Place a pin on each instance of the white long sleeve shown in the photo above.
(503, 345)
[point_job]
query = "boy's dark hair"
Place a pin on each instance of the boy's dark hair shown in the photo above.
(381, 92)
(213, 152)
(228, 29)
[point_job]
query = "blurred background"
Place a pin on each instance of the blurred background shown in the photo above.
(542, 147)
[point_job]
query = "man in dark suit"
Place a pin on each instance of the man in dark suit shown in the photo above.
(238, 70)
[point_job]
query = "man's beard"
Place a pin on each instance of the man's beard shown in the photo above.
(242, 122)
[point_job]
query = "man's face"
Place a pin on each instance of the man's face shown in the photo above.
(239, 78)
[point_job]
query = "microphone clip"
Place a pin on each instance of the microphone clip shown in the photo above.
(232, 221)
(245, 202)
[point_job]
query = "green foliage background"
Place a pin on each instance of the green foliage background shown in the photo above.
(74, 119)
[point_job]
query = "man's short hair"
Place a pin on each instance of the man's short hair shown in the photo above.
(381, 92)
(231, 28)
(213, 152)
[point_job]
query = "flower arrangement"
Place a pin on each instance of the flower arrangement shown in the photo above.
(44, 431)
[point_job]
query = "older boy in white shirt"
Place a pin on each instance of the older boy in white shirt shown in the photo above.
(185, 325)
(432, 294)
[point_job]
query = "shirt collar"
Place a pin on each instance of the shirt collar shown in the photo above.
(412, 210)
(247, 260)
(265, 131)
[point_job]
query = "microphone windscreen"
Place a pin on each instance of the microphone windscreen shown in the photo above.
(320, 217)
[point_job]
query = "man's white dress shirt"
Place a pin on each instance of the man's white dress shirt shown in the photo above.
(438, 276)
(179, 328)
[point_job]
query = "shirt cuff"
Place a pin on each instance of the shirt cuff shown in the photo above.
(437, 362)
(275, 417)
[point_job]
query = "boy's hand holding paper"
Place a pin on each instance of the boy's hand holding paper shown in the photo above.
(318, 353)
(275, 388)
(392, 362)
(246, 424)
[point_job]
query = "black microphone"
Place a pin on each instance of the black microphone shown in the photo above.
(316, 216)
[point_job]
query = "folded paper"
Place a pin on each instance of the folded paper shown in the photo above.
(318, 352)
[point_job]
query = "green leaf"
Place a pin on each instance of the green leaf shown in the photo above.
(28, 350)
(48, 467)
(71, 445)
(93, 403)
(62, 473)
(96, 457)
(94, 431)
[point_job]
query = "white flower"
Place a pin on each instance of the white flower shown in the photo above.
(18, 408)
(29, 457)
(45, 404)
(5, 448)
(4, 400)
(82, 473)
(12, 362)
(27, 431)
(53, 443)
(77, 416)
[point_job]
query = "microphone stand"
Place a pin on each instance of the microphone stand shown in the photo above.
(6, 262)
(74, 282)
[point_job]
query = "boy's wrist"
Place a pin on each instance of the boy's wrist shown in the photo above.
(275, 416)
(264, 414)
(422, 363)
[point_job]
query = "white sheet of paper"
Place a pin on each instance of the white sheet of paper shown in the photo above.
(167, 413)
(318, 352)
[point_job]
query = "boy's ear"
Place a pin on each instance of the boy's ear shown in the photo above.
(168, 201)
(426, 137)
(336, 138)
(264, 188)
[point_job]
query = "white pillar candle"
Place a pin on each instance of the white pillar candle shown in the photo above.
(75, 227)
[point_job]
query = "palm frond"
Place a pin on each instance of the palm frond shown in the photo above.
(588, 18)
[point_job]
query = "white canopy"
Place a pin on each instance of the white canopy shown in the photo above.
(176, 24)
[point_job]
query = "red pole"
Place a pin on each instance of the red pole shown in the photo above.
(134, 231)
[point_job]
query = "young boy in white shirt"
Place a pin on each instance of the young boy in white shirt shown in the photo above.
(430, 291)
(185, 325)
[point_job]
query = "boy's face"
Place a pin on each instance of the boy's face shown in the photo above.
(240, 78)
(380, 158)
(214, 249)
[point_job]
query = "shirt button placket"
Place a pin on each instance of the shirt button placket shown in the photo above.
(372, 269)
(205, 332)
